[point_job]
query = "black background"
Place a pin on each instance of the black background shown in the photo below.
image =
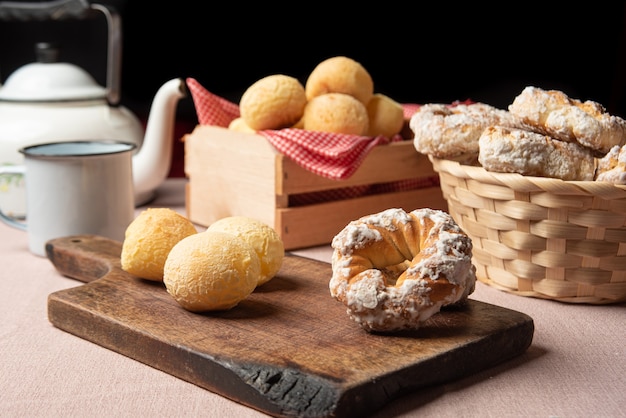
(418, 52)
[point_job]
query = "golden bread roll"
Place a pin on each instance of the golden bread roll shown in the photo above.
(336, 113)
(299, 124)
(386, 116)
(264, 240)
(211, 271)
(511, 150)
(273, 102)
(240, 125)
(149, 239)
(340, 75)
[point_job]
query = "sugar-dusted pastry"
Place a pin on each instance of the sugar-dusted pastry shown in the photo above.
(612, 166)
(451, 131)
(511, 150)
(567, 119)
(394, 269)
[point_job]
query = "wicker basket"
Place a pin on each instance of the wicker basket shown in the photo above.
(541, 237)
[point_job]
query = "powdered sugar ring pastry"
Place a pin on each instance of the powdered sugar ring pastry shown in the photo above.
(394, 269)
(449, 131)
(511, 150)
(587, 123)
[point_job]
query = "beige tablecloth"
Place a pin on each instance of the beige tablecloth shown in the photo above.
(575, 367)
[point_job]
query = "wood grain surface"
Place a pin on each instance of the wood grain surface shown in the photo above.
(287, 350)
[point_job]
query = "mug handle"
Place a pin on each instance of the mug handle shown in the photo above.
(6, 170)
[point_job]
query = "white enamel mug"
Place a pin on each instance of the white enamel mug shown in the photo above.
(74, 188)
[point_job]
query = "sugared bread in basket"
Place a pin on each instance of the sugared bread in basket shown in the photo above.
(543, 133)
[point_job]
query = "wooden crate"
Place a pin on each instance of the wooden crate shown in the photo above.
(232, 173)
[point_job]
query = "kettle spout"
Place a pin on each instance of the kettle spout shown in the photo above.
(151, 163)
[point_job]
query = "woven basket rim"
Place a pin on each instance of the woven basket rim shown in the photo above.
(526, 184)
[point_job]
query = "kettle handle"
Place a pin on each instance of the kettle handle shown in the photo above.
(79, 9)
(50, 10)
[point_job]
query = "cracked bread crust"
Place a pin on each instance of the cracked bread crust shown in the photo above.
(449, 132)
(510, 150)
(571, 120)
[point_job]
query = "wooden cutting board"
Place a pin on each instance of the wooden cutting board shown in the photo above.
(288, 350)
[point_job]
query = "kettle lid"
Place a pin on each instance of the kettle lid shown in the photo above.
(48, 80)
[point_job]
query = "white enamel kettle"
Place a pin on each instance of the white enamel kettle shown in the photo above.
(51, 101)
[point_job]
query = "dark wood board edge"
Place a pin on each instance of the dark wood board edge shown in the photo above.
(162, 356)
(255, 388)
(376, 394)
(84, 257)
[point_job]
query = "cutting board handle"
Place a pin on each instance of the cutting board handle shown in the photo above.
(84, 257)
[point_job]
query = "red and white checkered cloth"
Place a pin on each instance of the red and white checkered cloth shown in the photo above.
(335, 156)
(211, 109)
